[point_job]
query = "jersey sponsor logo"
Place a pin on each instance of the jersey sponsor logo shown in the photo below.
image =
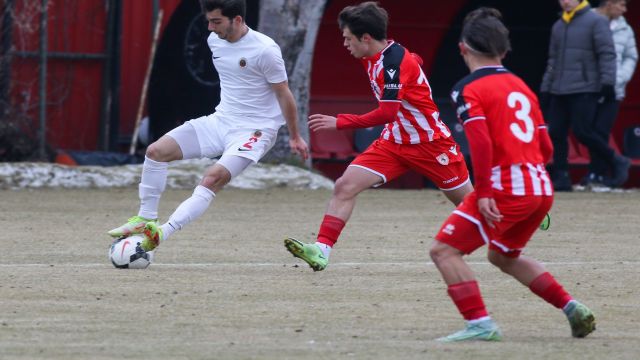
(393, 86)
(449, 229)
(443, 159)
(243, 63)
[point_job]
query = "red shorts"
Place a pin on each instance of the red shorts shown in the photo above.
(441, 161)
(467, 230)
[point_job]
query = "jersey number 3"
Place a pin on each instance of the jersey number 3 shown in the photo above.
(518, 101)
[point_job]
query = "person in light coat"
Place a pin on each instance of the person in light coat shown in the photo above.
(580, 70)
(626, 59)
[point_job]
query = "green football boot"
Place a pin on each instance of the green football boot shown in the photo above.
(310, 253)
(581, 319)
(546, 222)
(135, 225)
(484, 331)
(152, 236)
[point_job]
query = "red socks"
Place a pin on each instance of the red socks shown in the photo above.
(466, 296)
(550, 290)
(330, 230)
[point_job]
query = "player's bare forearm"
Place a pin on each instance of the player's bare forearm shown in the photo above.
(290, 112)
(288, 107)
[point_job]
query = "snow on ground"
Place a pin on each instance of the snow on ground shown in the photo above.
(182, 175)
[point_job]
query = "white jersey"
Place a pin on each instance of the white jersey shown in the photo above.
(247, 68)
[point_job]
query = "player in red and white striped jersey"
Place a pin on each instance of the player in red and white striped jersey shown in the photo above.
(509, 147)
(522, 145)
(414, 138)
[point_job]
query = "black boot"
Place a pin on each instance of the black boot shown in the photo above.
(620, 169)
(562, 181)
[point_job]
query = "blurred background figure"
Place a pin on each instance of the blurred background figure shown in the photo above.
(626, 59)
(580, 71)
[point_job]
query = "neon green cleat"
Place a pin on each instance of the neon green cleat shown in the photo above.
(485, 331)
(546, 222)
(152, 236)
(581, 319)
(310, 253)
(134, 225)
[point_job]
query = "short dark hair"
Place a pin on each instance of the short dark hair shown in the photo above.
(366, 18)
(228, 8)
(485, 33)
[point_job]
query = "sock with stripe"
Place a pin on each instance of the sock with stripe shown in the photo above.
(466, 295)
(330, 230)
(550, 290)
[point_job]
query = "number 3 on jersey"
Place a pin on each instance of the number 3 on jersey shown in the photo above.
(517, 100)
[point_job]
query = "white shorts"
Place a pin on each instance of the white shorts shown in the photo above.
(212, 136)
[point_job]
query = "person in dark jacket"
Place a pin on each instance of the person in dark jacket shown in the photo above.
(581, 70)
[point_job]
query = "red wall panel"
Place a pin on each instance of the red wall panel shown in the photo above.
(416, 26)
(74, 86)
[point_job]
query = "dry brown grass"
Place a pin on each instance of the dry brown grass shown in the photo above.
(225, 288)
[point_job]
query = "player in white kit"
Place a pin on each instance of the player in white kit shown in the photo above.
(255, 101)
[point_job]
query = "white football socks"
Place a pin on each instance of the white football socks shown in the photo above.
(152, 184)
(189, 210)
(326, 249)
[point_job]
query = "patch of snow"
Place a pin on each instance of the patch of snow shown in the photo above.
(184, 174)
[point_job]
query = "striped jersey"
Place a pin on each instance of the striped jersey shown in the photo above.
(396, 76)
(513, 117)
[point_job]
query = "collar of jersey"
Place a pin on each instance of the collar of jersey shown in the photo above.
(378, 55)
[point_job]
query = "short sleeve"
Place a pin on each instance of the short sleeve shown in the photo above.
(272, 65)
(468, 105)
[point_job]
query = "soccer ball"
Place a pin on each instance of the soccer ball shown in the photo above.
(126, 253)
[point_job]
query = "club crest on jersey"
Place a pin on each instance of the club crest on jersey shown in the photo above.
(257, 133)
(443, 159)
(243, 63)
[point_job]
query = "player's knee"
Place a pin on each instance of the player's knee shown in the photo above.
(344, 188)
(500, 261)
(439, 252)
(158, 152)
(153, 152)
(214, 182)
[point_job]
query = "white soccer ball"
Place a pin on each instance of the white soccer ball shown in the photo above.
(126, 253)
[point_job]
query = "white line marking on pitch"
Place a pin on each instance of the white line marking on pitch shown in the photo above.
(343, 264)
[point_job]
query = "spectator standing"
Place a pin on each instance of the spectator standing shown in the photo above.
(581, 70)
(626, 59)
